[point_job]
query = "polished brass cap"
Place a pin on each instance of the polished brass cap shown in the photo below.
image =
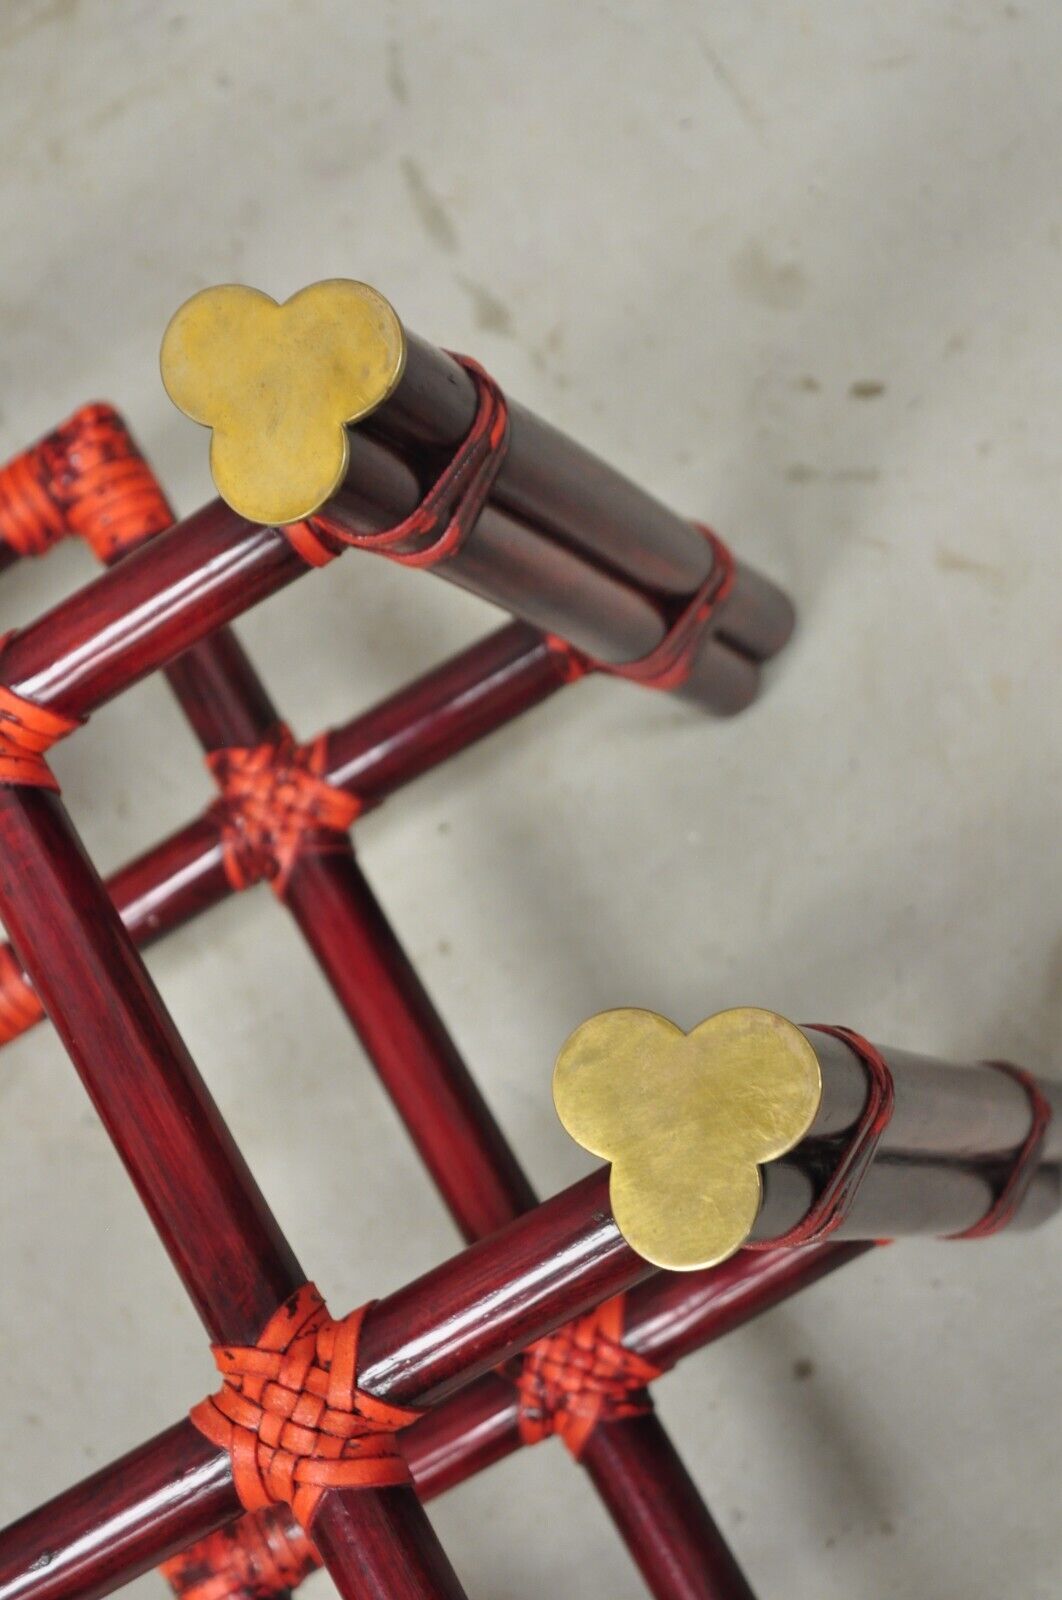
(278, 384)
(687, 1120)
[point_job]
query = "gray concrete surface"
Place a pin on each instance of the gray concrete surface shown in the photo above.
(798, 269)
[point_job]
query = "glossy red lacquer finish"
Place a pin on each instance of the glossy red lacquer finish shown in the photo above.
(451, 1124)
(176, 1488)
(453, 1128)
(571, 547)
(223, 1240)
(459, 1141)
(657, 1507)
(433, 718)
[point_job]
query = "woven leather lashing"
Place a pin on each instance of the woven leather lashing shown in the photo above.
(88, 479)
(255, 1558)
(852, 1162)
(582, 1375)
(442, 521)
(274, 798)
(27, 733)
(670, 664)
(291, 1415)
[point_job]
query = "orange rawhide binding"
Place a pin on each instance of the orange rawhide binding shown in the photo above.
(273, 796)
(853, 1162)
(447, 513)
(671, 663)
(254, 1558)
(87, 478)
(291, 1415)
(27, 733)
(582, 1375)
(1019, 1173)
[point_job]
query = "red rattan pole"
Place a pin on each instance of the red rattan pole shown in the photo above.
(555, 498)
(545, 478)
(455, 1133)
(219, 1233)
(134, 1513)
(481, 1307)
(660, 1514)
(443, 712)
(141, 614)
(121, 1521)
(550, 585)
(967, 1112)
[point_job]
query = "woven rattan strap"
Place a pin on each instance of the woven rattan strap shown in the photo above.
(291, 1415)
(442, 521)
(856, 1153)
(88, 479)
(27, 733)
(670, 664)
(275, 803)
(851, 1164)
(1019, 1168)
(582, 1375)
(253, 1558)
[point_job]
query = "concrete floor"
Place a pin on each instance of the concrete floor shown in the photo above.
(798, 270)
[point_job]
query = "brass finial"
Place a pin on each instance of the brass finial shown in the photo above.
(278, 384)
(687, 1119)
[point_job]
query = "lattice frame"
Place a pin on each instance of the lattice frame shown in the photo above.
(569, 1325)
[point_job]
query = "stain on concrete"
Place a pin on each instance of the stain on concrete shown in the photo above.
(546, 355)
(20, 26)
(801, 472)
(726, 80)
(955, 561)
(779, 285)
(489, 313)
(866, 389)
(430, 211)
(396, 73)
(803, 1369)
